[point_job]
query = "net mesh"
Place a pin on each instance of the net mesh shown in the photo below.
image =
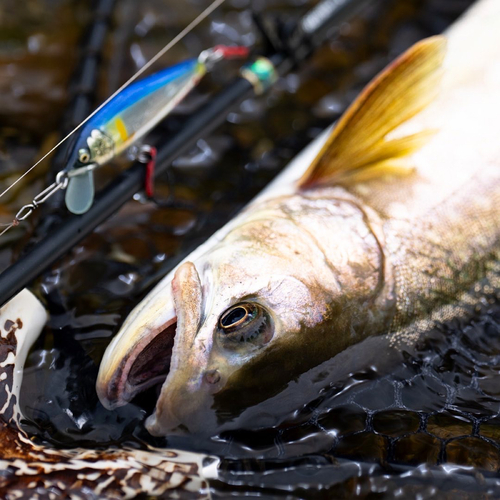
(431, 425)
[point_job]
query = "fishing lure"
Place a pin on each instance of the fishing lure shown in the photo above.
(129, 116)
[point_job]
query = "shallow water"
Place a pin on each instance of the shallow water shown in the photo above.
(428, 427)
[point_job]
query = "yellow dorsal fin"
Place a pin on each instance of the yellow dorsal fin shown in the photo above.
(358, 142)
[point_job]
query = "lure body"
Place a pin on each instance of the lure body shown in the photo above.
(123, 121)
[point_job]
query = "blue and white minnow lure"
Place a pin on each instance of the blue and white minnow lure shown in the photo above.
(129, 116)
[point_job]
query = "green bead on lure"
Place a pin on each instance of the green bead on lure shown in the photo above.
(129, 116)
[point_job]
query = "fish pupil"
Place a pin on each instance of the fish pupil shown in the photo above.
(234, 316)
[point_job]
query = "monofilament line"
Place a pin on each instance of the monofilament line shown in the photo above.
(163, 51)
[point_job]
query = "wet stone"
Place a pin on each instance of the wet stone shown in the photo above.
(330, 106)
(177, 220)
(396, 422)
(165, 244)
(363, 446)
(131, 248)
(417, 449)
(447, 425)
(424, 393)
(343, 420)
(88, 274)
(308, 91)
(474, 452)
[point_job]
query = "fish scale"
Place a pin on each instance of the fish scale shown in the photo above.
(437, 270)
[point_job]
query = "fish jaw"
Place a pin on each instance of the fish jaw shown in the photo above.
(186, 397)
(198, 369)
(146, 335)
(188, 386)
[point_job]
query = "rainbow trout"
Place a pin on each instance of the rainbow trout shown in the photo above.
(383, 227)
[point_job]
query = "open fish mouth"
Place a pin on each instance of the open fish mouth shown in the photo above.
(153, 363)
(140, 355)
(157, 345)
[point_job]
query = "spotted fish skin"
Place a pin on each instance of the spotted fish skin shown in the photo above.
(442, 224)
(385, 225)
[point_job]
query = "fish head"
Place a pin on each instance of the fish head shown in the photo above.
(299, 279)
(227, 331)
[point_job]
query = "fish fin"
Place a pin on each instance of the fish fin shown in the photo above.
(80, 193)
(386, 158)
(399, 167)
(399, 92)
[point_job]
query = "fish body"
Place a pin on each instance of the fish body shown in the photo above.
(123, 121)
(385, 225)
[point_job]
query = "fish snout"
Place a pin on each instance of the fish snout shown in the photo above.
(158, 344)
(140, 354)
(145, 364)
(163, 342)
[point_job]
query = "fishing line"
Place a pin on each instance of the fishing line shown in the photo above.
(7, 227)
(163, 51)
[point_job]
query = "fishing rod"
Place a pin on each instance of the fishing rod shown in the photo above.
(288, 46)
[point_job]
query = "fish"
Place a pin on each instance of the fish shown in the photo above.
(387, 225)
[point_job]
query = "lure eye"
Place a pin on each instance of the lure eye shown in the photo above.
(246, 322)
(83, 155)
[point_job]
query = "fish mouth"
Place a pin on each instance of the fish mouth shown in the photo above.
(150, 366)
(153, 363)
(140, 355)
(159, 344)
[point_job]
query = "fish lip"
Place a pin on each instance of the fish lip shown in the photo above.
(119, 391)
(113, 385)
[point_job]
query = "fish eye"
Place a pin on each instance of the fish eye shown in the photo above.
(237, 315)
(83, 155)
(246, 322)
